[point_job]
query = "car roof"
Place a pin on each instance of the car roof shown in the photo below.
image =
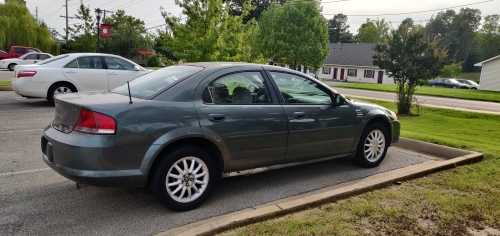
(91, 54)
(221, 65)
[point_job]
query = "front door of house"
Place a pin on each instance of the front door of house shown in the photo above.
(335, 70)
(342, 74)
(380, 77)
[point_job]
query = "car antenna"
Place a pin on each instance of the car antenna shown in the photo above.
(129, 95)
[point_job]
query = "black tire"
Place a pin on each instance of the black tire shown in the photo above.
(11, 66)
(361, 157)
(159, 180)
(56, 86)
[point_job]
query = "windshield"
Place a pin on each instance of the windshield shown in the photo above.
(154, 82)
(53, 59)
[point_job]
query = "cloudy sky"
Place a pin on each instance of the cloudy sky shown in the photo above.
(149, 10)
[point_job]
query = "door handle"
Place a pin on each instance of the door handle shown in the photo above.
(299, 114)
(216, 117)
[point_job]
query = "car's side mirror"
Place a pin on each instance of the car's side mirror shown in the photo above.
(337, 100)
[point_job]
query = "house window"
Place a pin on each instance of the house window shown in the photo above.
(327, 70)
(369, 74)
(352, 72)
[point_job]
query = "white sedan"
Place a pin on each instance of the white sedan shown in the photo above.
(74, 72)
(26, 59)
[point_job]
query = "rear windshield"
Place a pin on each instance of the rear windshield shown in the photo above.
(150, 84)
(53, 59)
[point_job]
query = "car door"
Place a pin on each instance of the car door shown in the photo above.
(88, 73)
(119, 71)
(238, 107)
(318, 127)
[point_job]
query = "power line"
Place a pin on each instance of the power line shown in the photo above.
(415, 12)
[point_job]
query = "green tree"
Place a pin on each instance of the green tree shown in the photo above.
(210, 33)
(409, 59)
(488, 38)
(455, 32)
(373, 31)
(83, 32)
(338, 30)
(18, 26)
(238, 8)
(128, 35)
(294, 34)
(451, 70)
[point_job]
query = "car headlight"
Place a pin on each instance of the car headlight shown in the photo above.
(392, 114)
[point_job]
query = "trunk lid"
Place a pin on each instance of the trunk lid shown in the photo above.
(68, 106)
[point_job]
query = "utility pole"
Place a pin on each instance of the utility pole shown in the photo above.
(98, 13)
(36, 14)
(67, 24)
(67, 17)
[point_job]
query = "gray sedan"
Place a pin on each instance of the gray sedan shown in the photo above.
(180, 128)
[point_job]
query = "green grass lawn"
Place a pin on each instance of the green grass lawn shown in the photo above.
(445, 203)
(5, 85)
(490, 96)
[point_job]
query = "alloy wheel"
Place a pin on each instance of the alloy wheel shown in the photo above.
(187, 179)
(62, 90)
(374, 145)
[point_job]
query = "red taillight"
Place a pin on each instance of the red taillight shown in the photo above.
(95, 123)
(26, 73)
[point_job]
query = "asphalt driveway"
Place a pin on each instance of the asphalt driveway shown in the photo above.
(36, 201)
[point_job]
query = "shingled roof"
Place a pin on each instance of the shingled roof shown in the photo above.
(353, 54)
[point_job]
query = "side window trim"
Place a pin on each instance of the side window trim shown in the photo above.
(280, 96)
(267, 88)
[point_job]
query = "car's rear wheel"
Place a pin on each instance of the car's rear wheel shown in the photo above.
(60, 88)
(11, 66)
(373, 145)
(184, 178)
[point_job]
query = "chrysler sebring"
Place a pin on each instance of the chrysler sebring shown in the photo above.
(179, 129)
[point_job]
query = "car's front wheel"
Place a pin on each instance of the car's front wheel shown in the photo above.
(184, 178)
(373, 145)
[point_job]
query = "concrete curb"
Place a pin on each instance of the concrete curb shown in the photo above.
(431, 106)
(452, 157)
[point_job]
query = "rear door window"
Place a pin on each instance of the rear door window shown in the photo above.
(114, 63)
(243, 88)
(90, 62)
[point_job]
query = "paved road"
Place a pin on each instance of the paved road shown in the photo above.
(426, 100)
(36, 201)
(6, 75)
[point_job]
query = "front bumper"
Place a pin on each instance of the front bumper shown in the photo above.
(396, 126)
(67, 155)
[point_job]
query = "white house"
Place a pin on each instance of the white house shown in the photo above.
(353, 62)
(490, 74)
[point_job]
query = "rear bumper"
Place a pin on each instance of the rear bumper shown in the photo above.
(84, 164)
(28, 88)
(396, 126)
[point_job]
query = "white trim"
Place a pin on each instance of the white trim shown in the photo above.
(487, 60)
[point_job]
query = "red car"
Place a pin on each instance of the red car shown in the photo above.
(17, 51)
